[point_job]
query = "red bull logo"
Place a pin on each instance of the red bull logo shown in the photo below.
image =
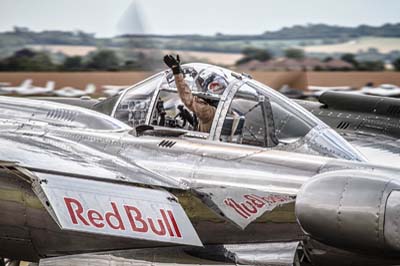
(123, 218)
(253, 204)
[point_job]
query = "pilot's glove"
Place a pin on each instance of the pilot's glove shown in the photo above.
(173, 63)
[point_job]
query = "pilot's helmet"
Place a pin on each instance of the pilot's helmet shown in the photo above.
(211, 81)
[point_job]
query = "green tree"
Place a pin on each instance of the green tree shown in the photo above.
(28, 60)
(73, 63)
(294, 53)
(350, 58)
(252, 53)
(42, 62)
(396, 64)
(371, 66)
(103, 60)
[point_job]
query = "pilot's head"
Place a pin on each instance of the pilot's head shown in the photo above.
(212, 82)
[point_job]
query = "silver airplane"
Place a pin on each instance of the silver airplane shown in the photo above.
(129, 181)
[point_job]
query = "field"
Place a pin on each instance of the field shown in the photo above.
(70, 50)
(384, 45)
(226, 59)
(81, 79)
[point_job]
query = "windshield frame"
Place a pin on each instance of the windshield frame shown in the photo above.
(337, 147)
(127, 90)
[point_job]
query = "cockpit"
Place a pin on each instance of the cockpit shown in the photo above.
(247, 113)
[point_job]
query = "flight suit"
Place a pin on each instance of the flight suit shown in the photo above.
(204, 111)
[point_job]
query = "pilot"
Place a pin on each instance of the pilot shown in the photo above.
(208, 83)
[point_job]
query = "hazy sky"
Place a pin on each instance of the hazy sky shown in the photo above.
(192, 17)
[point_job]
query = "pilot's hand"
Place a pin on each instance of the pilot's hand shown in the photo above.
(173, 63)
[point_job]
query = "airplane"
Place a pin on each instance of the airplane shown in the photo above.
(317, 91)
(34, 90)
(72, 92)
(385, 90)
(10, 90)
(129, 180)
(4, 84)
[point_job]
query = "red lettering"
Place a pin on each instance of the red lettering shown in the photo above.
(116, 216)
(164, 216)
(240, 208)
(263, 199)
(137, 218)
(160, 232)
(174, 224)
(78, 211)
(95, 217)
(231, 203)
(166, 225)
(255, 201)
(272, 199)
(252, 209)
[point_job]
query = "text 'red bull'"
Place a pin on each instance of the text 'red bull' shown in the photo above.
(253, 203)
(165, 225)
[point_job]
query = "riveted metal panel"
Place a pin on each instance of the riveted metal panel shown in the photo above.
(344, 208)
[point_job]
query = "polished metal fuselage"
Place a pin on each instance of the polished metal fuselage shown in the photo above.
(54, 144)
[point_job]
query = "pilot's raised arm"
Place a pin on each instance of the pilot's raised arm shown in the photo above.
(204, 111)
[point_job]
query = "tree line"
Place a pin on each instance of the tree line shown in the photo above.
(109, 60)
(101, 60)
(323, 31)
(263, 55)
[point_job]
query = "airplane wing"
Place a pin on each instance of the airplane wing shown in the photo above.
(369, 123)
(47, 155)
(378, 149)
(38, 151)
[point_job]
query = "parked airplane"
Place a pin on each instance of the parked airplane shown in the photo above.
(385, 90)
(316, 91)
(4, 84)
(34, 90)
(72, 92)
(14, 89)
(270, 184)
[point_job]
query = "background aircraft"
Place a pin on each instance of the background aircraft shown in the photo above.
(10, 90)
(34, 90)
(72, 92)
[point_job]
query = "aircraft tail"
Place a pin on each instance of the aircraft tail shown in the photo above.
(90, 88)
(50, 85)
(26, 83)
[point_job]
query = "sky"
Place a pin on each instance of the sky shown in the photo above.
(108, 18)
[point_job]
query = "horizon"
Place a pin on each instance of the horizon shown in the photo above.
(12, 29)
